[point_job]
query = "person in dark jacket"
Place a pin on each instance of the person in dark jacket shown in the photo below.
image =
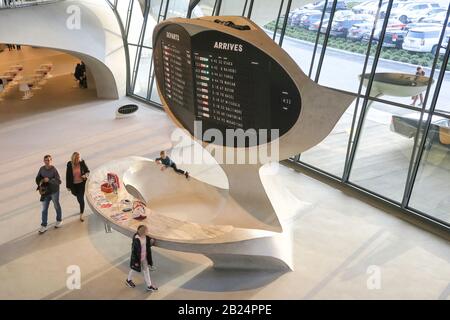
(76, 175)
(167, 162)
(78, 72)
(48, 180)
(141, 258)
(83, 77)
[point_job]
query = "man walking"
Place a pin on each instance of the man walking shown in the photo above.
(48, 181)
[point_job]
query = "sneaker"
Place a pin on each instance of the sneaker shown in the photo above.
(152, 288)
(152, 268)
(42, 230)
(81, 217)
(130, 283)
(58, 224)
(186, 174)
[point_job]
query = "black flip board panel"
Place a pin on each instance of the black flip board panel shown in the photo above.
(224, 82)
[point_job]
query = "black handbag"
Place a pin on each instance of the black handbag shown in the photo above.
(43, 188)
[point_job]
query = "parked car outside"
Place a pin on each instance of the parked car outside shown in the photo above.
(340, 28)
(309, 19)
(393, 38)
(362, 7)
(437, 18)
(422, 39)
(342, 15)
(396, 6)
(315, 26)
(357, 30)
(291, 15)
(320, 5)
(296, 18)
(392, 24)
(413, 11)
(372, 8)
(416, 25)
(433, 13)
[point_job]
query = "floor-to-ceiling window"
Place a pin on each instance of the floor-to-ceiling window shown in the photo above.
(394, 139)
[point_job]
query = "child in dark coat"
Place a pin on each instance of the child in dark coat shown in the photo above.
(141, 258)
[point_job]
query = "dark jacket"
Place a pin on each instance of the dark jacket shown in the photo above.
(135, 261)
(78, 71)
(69, 174)
(166, 161)
(54, 180)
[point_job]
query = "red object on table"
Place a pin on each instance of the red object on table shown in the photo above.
(106, 187)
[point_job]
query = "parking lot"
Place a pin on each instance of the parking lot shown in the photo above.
(335, 76)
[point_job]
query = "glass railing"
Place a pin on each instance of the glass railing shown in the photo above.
(7, 4)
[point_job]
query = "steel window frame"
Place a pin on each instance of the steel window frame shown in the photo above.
(359, 111)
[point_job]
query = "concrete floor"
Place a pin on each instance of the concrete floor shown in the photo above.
(338, 238)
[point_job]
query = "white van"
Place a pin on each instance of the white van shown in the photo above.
(422, 39)
(412, 11)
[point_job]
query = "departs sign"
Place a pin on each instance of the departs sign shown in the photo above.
(207, 72)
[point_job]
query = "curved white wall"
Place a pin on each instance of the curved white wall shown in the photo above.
(98, 41)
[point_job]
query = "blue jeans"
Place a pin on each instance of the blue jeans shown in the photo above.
(45, 204)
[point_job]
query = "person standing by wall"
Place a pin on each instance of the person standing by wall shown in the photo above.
(76, 175)
(83, 77)
(141, 258)
(48, 182)
(77, 74)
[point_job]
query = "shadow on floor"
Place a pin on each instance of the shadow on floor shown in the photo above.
(229, 280)
(173, 271)
(109, 282)
(445, 294)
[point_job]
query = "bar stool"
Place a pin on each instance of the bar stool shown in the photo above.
(25, 88)
(7, 83)
(36, 78)
(48, 67)
(43, 72)
(16, 71)
(17, 67)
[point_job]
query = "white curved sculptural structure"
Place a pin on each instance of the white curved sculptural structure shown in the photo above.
(186, 215)
(227, 75)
